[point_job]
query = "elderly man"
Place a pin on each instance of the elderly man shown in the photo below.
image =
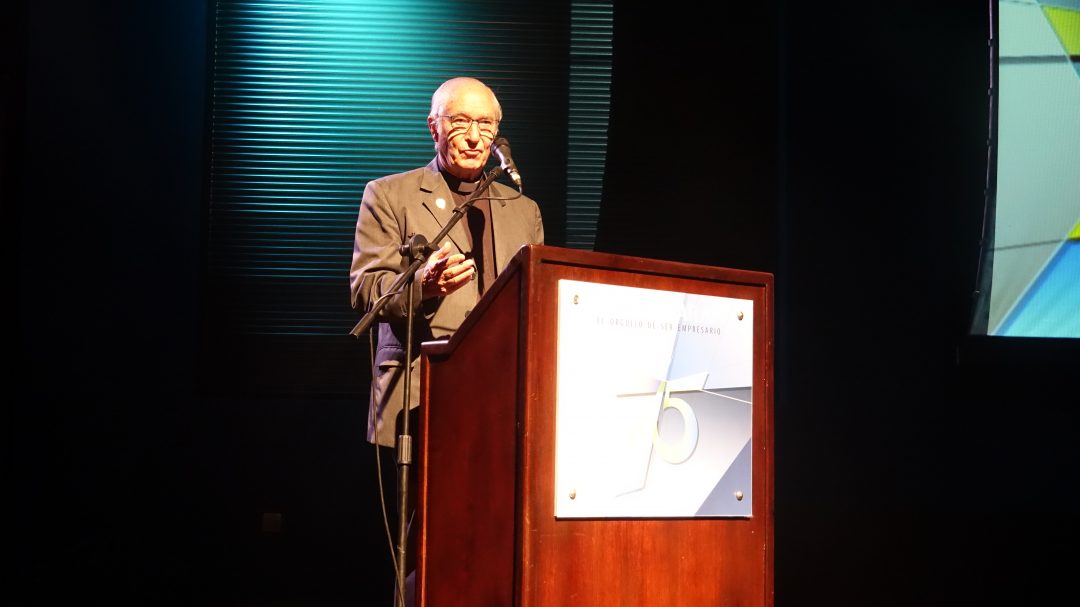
(464, 119)
(463, 122)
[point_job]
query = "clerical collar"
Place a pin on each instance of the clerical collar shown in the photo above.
(456, 184)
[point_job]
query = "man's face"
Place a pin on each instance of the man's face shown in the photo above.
(464, 149)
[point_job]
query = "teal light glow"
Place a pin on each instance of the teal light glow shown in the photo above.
(314, 98)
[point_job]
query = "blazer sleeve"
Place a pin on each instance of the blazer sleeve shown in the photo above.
(376, 260)
(538, 232)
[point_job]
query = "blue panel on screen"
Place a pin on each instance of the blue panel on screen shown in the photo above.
(1051, 307)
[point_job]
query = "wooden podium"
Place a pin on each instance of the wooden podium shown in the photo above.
(488, 533)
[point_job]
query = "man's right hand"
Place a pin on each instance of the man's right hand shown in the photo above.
(446, 272)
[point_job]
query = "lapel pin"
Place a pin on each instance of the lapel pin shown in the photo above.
(439, 202)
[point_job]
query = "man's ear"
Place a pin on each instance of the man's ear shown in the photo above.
(432, 126)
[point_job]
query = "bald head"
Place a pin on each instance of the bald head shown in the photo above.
(455, 88)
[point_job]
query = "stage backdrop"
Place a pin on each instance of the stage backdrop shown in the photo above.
(312, 100)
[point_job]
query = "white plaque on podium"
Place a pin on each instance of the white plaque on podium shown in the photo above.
(654, 408)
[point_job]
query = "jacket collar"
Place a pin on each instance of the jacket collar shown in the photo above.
(433, 190)
(431, 181)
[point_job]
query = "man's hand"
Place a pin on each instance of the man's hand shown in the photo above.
(446, 272)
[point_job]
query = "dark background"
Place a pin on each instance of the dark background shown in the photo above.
(841, 148)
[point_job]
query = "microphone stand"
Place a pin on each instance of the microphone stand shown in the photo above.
(417, 249)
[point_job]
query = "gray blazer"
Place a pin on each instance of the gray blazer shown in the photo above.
(394, 208)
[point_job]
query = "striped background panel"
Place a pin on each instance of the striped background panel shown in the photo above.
(312, 99)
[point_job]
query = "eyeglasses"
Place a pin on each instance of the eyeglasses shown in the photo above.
(487, 126)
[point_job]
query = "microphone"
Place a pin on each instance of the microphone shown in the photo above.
(501, 147)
